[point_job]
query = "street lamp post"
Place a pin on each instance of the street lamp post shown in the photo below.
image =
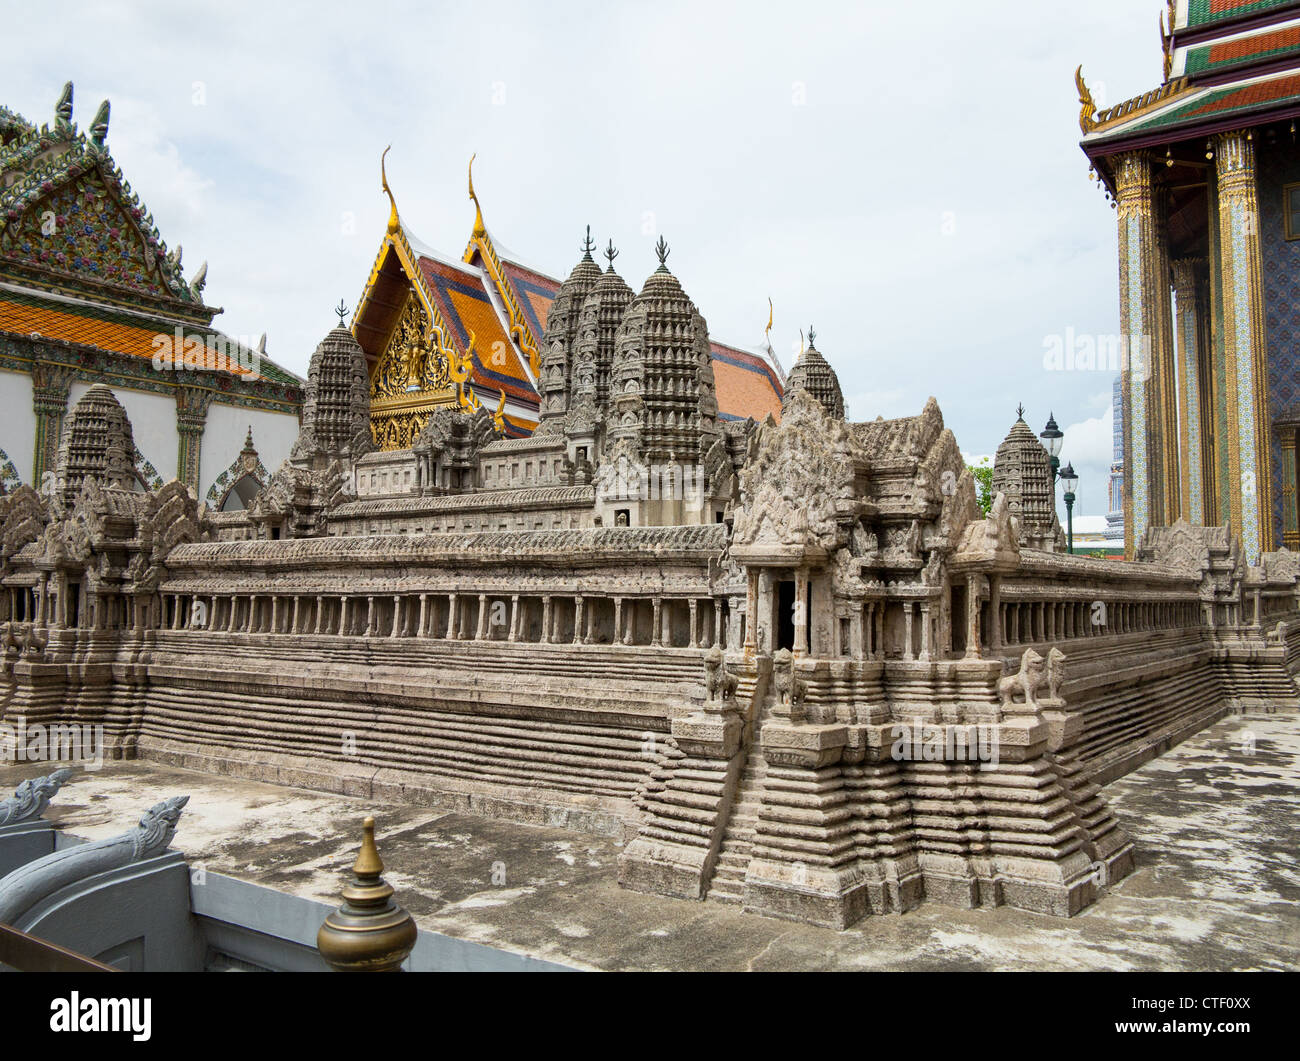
(1052, 437)
(1069, 480)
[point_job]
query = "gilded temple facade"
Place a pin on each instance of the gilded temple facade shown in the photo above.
(91, 296)
(469, 333)
(1204, 174)
(789, 662)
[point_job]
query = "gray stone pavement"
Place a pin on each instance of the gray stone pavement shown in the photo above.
(1216, 823)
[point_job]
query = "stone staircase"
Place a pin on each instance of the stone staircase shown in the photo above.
(728, 883)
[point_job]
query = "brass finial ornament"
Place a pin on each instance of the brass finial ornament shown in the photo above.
(369, 933)
(611, 252)
(661, 249)
(480, 230)
(341, 311)
(588, 245)
(393, 224)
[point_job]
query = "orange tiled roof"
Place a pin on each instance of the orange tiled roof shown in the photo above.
(463, 301)
(747, 385)
(102, 331)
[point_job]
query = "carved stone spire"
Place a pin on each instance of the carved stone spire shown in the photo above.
(97, 444)
(336, 406)
(813, 373)
(556, 382)
(1022, 470)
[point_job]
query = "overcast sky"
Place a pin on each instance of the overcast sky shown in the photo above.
(904, 176)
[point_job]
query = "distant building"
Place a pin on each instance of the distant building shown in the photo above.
(1115, 517)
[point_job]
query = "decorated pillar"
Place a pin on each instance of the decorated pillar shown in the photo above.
(1188, 302)
(1249, 484)
(1141, 325)
(50, 387)
(191, 417)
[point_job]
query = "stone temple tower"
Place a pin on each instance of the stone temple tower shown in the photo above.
(336, 409)
(813, 373)
(1022, 469)
(562, 320)
(97, 444)
(663, 406)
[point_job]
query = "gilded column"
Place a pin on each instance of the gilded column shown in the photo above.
(1168, 500)
(1249, 484)
(191, 417)
(50, 386)
(1187, 310)
(1138, 262)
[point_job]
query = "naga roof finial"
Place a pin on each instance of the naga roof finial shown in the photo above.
(1088, 115)
(99, 127)
(393, 223)
(662, 249)
(588, 245)
(63, 109)
(611, 252)
(480, 229)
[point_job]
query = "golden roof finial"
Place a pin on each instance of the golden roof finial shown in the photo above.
(479, 229)
(393, 224)
(499, 416)
(1167, 43)
(768, 330)
(1088, 115)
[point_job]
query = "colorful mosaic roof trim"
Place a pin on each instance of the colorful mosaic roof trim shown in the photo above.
(1222, 102)
(1243, 51)
(1209, 12)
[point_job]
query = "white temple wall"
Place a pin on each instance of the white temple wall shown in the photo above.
(223, 438)
(18, 422)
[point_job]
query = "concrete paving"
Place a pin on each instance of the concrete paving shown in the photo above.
(1215, 822)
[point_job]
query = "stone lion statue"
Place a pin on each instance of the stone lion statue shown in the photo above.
(719, 683)
(790, 689)
(1055, 673)
(1026, 680)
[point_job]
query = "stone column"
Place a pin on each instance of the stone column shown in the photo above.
(370, 617)
(751, 612)
(343, 616)
(1245, 345)
(514, 617)
(275, 615)
(973, 617)
(801, 616)
(996, 616)
(694, 608)
(908, 609)
(579, 608)
(396, 629)
(546, 620)
(926, 632)
(654, 623)
(191, 417)
(320, 612)
(423, 629)
(480, 634)
(717, 621)
(50, 386)
(452, 625)
(618, 620)
(878, 622)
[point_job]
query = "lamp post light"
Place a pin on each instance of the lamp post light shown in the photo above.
(1052, 437)
(1069, 480)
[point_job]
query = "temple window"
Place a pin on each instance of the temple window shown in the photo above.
(1290, 523)
(1291, 210)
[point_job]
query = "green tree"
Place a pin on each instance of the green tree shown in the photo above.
(983, 473)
